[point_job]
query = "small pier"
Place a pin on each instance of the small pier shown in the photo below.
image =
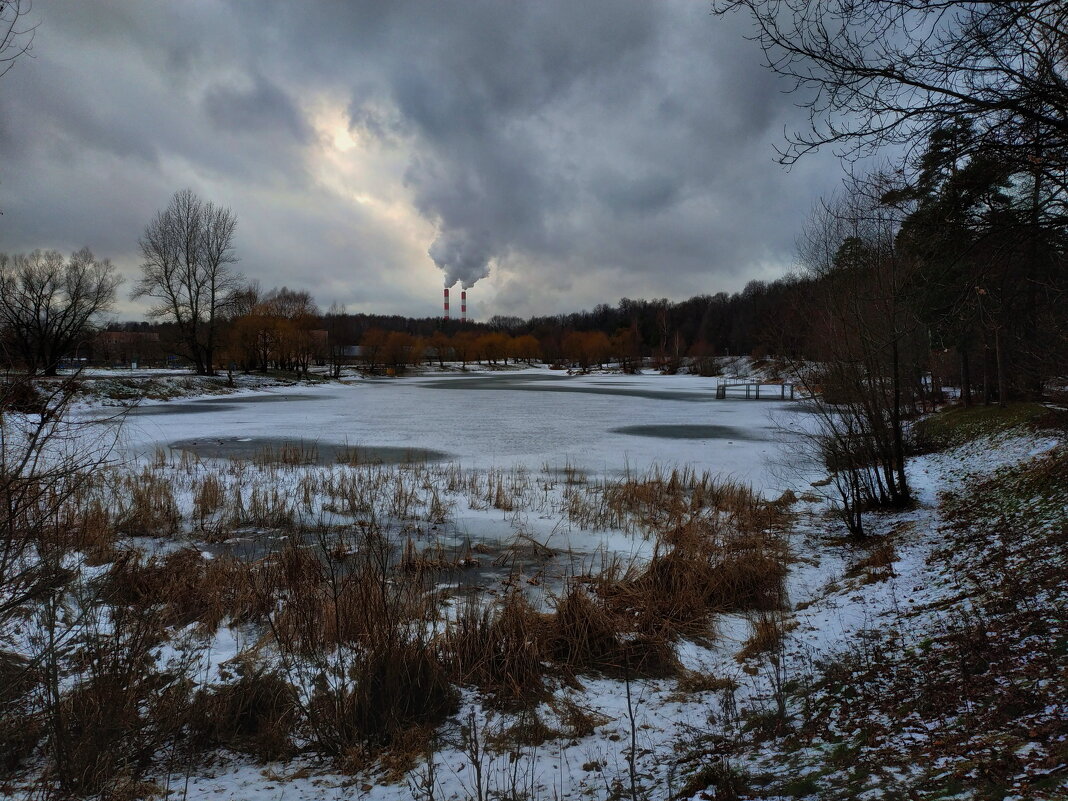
(752, 390)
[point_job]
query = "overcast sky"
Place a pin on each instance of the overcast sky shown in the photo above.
(570, 152)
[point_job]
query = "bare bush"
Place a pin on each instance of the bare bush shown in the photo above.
(352, 637)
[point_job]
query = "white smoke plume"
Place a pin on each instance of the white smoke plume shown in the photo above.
(462, 256)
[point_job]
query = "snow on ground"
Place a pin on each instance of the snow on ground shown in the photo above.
(604, 425)
(831, 604)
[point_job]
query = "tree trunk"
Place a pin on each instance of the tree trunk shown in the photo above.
(999, 349)
(988, 390)
(901, 491)
(965, 378)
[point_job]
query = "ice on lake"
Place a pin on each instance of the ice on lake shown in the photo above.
(602, 425)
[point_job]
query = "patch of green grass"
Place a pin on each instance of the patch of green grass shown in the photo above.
(956, 426)
(1033, 494)
(728, 782)
(801, 786)
(843, 754)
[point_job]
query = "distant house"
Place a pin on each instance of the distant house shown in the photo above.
(127, 348)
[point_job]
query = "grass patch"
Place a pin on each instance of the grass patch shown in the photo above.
(725, 781)
(1033, 495)
(958, 425)
(877, 566)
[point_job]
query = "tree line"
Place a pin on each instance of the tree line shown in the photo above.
(974, 291)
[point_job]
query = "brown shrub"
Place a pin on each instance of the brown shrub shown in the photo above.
(21, 727)
(502, 650)
(185, 586)
(255, 714)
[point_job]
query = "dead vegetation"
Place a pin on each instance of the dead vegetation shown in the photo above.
(331, 573)
(960, 698)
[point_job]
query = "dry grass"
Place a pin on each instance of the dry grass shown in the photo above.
(700, 568)
(90, 526)
(20, 727)
(349, 619)
(289, 454)
(355, 632)
(878, 565)
(150, 508)
(122, 709)
(690, 681)
(589, 635)
(580, 721)
(395, 686)
(210, 496)
(661, 501)
(769, 628)
(528, 731)
(499, 649)
(183, 587)
(255, 714)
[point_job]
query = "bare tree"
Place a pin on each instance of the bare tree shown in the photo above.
(895, 70)
(868, 345)
(16, 35)
(48, 306)
(339, 332)
(187, 251)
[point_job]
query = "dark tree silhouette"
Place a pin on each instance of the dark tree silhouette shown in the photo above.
(187, 251)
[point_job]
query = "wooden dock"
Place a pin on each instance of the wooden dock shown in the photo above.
(751, 390)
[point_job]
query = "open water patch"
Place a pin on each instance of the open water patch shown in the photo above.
(702, 431)
(281, 450)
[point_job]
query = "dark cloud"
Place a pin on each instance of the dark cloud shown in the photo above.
(260, 109)
(571, 152)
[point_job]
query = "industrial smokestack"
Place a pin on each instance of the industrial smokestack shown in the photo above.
(463, 305)
(446, 303)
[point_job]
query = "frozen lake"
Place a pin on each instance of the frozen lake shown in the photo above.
(599, 424)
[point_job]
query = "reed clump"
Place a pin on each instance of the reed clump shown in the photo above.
(150, 508)
(353, 635)
(502, 649)
(289, 454)
(588, 635)
(183, 587)
(698, 569)
(257, 713)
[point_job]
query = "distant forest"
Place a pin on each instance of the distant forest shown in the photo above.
(658, 333)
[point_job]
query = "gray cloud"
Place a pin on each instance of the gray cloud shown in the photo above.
(561, 154)
(260, 109)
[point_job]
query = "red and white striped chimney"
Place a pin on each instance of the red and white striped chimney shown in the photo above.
(446, 303)
(463, 305)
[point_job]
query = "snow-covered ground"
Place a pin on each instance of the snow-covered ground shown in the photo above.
(604, 426)
(831, 602)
